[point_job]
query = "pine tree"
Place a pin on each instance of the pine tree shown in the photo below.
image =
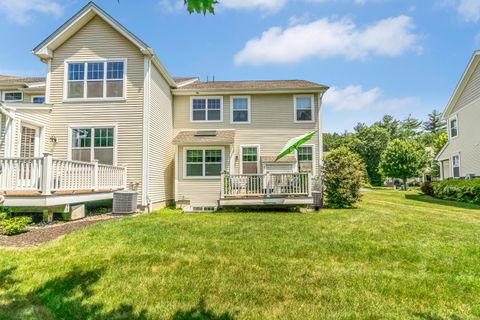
(434, 122)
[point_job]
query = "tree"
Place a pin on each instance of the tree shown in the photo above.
(342, 175)
(369, 143)
(410, 128)
(200, 6)
(404, 159)
(434, 122)
(390, 124)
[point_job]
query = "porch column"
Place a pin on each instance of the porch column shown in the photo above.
(47, 174)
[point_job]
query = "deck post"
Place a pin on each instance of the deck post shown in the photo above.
(269, 185)
(309, 184)
(222, 188)
(95, 175)
(125, 184)
(47, 174)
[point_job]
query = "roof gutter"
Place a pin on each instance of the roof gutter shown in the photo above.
(188, 92)
(5, 110)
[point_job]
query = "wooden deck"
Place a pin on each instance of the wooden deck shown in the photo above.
(45, 182)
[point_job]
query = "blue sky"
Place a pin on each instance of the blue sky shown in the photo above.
(396, 57)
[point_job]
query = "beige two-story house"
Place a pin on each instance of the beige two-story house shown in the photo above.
(460, 158)
(115, 118)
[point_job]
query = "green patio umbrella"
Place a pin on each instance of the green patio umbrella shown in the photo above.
(294, 143)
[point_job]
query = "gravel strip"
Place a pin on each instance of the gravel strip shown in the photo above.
(38, 235)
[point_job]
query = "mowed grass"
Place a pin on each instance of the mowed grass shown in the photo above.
(397, 256)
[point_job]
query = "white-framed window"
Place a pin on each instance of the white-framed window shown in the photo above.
(305, 158)
(203, 163)
(240, 109)
(13, 96)
(38, 99)
(303, 108)
(249, 159)
(93, 143)
(456, 165)
(205, 109)
(453, 127)
(95, 79)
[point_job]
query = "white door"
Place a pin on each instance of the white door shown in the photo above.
(29, 170)
(29, 141)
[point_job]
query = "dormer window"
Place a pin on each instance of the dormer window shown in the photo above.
(95, 80)
(453, 127)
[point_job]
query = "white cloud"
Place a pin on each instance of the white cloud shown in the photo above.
(20, 11)
(469, 10)
(325, 38)
(354, 98)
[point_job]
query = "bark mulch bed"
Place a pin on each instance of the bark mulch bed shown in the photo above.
(38, 235)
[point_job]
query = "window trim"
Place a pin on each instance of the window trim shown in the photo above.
(312, 99)
(455, 117)
(206, 110)
(314, 158)
(40, 96)
(457, 154)
(93, 126)
(185, 177)
(240, 163)
(249, 110)
(85, 80)
(6, 92)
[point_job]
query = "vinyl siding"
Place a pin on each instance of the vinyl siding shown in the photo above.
(201, 192)
(471, 91)
(272, 123)
(467, 143)
(161, 150)
(97, 40)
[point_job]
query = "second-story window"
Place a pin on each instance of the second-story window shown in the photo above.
(97, 80)
(13, 96)
(240, 109)
(206, 109)
(453, 127)
(304, 108)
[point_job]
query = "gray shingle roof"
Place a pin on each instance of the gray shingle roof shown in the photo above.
(218, 137)
(5, 79)
(253, 85)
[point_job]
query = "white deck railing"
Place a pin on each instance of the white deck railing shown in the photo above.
(48, 175)
(266, 185)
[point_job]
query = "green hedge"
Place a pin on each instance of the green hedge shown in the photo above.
(458, 190)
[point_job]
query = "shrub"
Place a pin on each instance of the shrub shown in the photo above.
(15, 225)
(458, 190)
(343, 173)
(427, 188)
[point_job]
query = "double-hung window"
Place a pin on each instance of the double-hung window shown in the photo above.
(303, 108)
(240, 109)
(90, 144)
(13, 96)
(305, 158)
(207, 109)
(250, 161)
(203, 163)
(456, 166)
(38, 99)
(453, 127)
(95, 80)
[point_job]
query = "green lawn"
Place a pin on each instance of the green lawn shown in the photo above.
(398, 255)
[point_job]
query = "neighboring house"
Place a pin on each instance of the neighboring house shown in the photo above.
(460, 158)
(109, 99)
